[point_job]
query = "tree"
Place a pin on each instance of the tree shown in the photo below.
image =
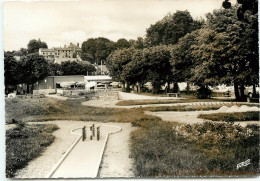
(172, 27)
(135, 71)
(139, 43)
(159, 69)
(117, 61)
(122, 43)
(74, 68)
(34, 45)
(55, 69)
(97, 49)
(34, 68)
(182, 59)
(246, 5)
(12, 70)
(225, 53)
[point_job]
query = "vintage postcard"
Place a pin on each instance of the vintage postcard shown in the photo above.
(131, 89)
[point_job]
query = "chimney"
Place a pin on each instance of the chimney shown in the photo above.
(64, 46)
(78, 44)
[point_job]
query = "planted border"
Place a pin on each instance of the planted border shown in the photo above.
(232, 117)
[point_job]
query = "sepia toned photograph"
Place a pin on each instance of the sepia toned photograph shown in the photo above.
(131, 89)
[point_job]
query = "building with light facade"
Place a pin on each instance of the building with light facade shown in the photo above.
(62, 54)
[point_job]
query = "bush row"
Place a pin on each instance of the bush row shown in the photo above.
(231, 117)
(159, 149)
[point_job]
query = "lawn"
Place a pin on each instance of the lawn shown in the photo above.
(26, 142)
(183, 108)
(158, 148)
(47, 109)
(162, 101)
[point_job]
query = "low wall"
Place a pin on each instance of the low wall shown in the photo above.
(71, 92)
(44, 91)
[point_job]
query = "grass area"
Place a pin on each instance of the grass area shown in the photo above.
(26, 142)
(157, 148)
(47, 109)
(231, 117)
(183, 108)
(157, 101)
(199, 150)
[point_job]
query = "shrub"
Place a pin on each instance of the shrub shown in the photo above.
(193, 150)
(225, 146)
(203, 92)
(24, 143)
(232, 117)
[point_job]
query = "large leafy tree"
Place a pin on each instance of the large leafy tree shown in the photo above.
(12, 70)
(74, 68)
(245, 5)
(139, 43)
(34, 45)
(172, 27)
(159, 69)
(225, 53)
(117, 61)
(34, 68)
(135, 72)
(135, 66)
(182, 60)
(97, 49)
(122, 43)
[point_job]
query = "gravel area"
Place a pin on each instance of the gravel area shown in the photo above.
(116, 161)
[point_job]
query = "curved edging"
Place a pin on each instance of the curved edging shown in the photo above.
(74, 144)
(65, 155)
(104, 146)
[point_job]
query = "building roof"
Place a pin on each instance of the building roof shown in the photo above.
(97, 78)
(46, 50)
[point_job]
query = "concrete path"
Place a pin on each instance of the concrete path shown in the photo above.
(191, 117)
(112, 104)
(83, 159)
(187, 117)
(132, 96)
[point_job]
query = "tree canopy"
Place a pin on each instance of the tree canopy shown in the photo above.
(34, 45)
(97, 49)
(172, 27)
(226, 53)
(12, 70)
(74, 68)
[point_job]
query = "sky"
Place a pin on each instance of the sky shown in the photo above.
(60, 22)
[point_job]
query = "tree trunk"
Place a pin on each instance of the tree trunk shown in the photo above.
(188, 88)
(168, 87)
(254, 90)
(176, 87)
(137, 88)
(236, 91)
(28, 88)
(127, 87)
(242, 92)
